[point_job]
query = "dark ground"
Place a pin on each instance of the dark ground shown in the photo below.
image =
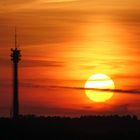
(83, 128)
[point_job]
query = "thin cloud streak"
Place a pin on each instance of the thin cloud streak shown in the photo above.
(33, 63)
(57, 1)
(130, 91)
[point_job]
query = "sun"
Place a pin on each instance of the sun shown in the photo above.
(99, 81)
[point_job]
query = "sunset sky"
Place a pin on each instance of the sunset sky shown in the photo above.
(63, 43)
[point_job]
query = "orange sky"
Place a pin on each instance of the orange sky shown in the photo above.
(64, 42)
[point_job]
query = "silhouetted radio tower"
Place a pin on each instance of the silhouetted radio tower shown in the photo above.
(15, 57)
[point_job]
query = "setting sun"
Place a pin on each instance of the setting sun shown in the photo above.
(99, 81)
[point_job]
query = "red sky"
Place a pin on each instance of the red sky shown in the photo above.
(64, 42)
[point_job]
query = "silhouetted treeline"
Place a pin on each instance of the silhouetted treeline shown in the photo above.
(64, 128)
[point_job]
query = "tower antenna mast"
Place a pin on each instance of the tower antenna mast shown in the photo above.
(15, 37)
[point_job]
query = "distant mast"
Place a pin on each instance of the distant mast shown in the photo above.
(15, 57)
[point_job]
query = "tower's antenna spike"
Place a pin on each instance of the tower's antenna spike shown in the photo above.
(15, 37)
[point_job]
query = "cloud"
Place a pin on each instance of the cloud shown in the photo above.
(12, 2)
(33, 63)
(131, 91)
(109, 109)
(123, 76)
(4, 62)
(125, 91)
(41, 26)
(77, 111)
(57, 1)
(41, 63)
(38, 26)
(113, 3)
(109, 65)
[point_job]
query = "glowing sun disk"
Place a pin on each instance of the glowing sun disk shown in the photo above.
(99, 81)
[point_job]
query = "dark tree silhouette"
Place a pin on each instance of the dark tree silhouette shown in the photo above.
(64, 128)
